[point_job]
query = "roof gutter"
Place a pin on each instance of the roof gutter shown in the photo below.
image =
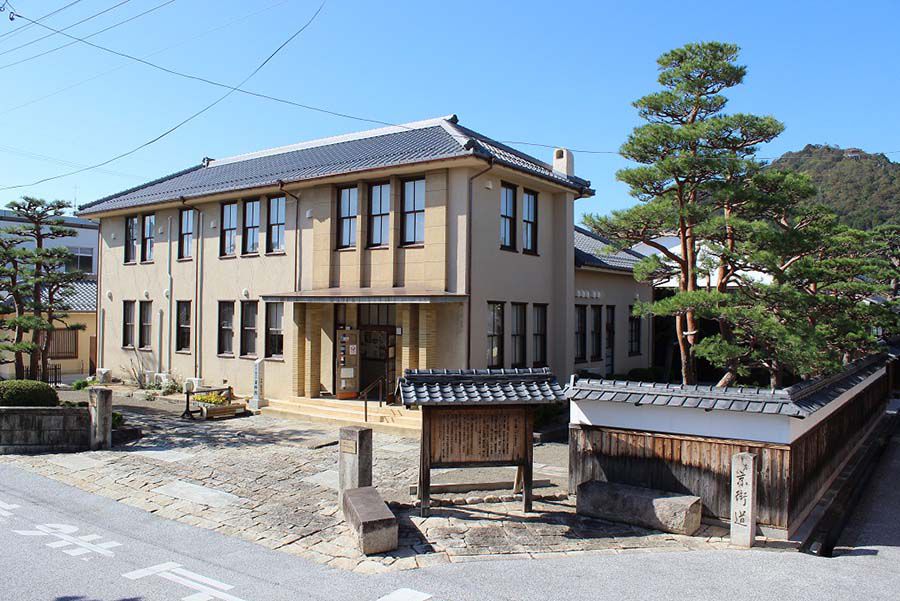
(490, 161)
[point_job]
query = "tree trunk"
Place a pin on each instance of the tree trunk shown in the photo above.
(688, 375)
(728, 379)
(775, 375)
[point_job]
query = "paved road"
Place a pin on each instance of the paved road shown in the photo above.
(119, 553)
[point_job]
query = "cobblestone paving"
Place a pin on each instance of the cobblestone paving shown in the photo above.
(273, 482)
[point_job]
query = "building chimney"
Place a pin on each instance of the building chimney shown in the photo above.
(563, 161)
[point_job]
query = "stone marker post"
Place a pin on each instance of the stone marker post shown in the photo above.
(100, 408)
(743, 499)
(258, 400)
(355, 459)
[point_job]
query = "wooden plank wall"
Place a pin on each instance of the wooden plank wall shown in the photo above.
(680, 463)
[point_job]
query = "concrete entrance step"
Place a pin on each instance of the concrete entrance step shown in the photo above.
(329, 415)
(351, 410)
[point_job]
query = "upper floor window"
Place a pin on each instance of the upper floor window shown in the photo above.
(529, 222)
(81, 259)
(185, 233)
(146, 324)
(274, 332)
(183, 336)
(495, 335)
(348, 207)
(379, 214)
(517, 334)
(580, 332)
(228, 233)
(539, 329)
(508, 217)
(250, 237)
(131, 239)
(275, 227)
(147, 237)
(634, 332)
(413, 224)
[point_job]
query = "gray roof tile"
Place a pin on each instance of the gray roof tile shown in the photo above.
(479, 387)
(592, 250)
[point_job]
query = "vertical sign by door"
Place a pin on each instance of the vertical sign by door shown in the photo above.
(347, 368)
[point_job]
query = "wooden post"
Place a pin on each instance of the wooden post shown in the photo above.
(527, 469)
(425, 464)
(743, 499)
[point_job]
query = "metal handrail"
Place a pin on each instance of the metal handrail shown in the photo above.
(364, 393)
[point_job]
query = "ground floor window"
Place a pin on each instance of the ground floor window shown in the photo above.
(539, 329)
(64, 344)
(274, 332)
(580, 333)
(146, 324)
(517, 334)
(128, 323)
(377, 314)
(248, 328)
(610, 340)
(596, 332)
(183, 335)
(634, 332)
(226, 328)
(495, 335)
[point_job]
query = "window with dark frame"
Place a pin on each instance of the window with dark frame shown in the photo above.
(128, 323)
(517, 334)
(413, 209)
(530, 222)
(63, 343)
(183, 333)
(495, 335)
(250, 234)
(610, 340)
(226, 328)
(596, 332)
(348, 207)
(508, 217)
(580, 333)
(228, 233)
(275, 225)
(634, 332)
(274, 332)
(145, 323)
(539, 329)
(131, 239)
(147, 237)
(81, 259)
(185, 233)
(249, 311)
(379, 214)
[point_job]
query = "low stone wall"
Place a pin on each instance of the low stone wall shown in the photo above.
(44, 429)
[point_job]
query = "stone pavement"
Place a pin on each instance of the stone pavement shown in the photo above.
(274, 482)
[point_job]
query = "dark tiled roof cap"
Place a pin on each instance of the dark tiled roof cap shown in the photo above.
(471, 387)
(800, 400)
(593, 250)
(423, 141)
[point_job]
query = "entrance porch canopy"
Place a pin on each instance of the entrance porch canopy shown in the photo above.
(366, 295)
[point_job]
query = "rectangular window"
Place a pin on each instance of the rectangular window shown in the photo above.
(226, 328)
(275, 227)
(580, 333)
(596, 332)
(413, 224)
(145, 325)
(634, 332)
(228, 233)
(63, 343)
(183, 335)
(248, 328)
(529, 222)
(81, 259)
(495, 335)
(517, 334)
(131, 239)
(348, 207)
(379, 214)
(539, 327)
(508, 217)
(274, 332)
(147, 237)
(610, 340)
(185, 233)
(250, 237)
(128, 323)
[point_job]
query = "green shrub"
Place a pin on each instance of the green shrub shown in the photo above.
(118, 420)
(27, 393)
(213, 398)
(171, 387)
(79, 384)
(73, 404)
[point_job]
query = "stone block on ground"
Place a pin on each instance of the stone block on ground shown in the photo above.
(372, 522)
(659, 510)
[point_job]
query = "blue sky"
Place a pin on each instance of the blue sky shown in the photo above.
(561, 73)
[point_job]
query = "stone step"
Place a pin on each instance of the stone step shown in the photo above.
(355, 405)
(350, 410)
(284, 411)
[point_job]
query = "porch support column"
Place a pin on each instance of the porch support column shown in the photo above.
(298, 382)
(409, 339)
(312, 371)
(427, 336)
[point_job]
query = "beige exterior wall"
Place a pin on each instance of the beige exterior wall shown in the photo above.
(81, 363)
(595, 288)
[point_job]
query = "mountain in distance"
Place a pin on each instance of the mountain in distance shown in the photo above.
(862, 188)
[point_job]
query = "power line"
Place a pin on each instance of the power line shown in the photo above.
(63, 162)
(18, 30)
(96, 33)
(14, 15)
(188, 119)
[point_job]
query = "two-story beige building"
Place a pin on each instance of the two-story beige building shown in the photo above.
(336, 262)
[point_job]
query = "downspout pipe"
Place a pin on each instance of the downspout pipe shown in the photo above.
(198, 287)
(171, 294)
(490, 161)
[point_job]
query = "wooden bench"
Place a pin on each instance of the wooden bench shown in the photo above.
(373, 523)
(213, 411)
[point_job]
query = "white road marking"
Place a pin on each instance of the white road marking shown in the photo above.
(406, 594)
(64, 533)
(207, 588)
(6, 509)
